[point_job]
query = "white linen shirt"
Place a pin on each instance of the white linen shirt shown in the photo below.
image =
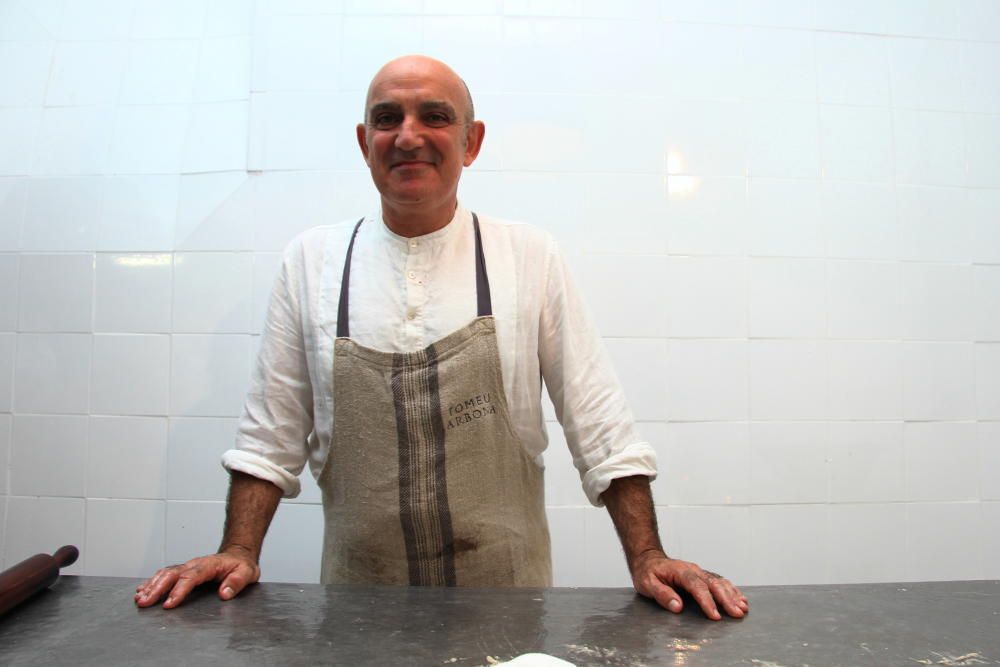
(407, 293)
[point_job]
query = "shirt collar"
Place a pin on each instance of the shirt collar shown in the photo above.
(461, 218)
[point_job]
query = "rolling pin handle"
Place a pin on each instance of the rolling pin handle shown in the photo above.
(66, 556)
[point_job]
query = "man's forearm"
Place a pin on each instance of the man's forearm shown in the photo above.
(249, 511)
(630, 504)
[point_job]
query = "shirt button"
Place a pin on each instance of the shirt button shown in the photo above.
(412, 275)
(410, 315)
(413, 244)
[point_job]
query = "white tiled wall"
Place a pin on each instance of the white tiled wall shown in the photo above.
(785, 216)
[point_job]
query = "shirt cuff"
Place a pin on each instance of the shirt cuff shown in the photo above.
(257, 466)
(636, 459)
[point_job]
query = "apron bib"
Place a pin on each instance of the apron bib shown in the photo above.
(426, 482)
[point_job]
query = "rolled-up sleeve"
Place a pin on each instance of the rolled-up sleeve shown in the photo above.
(588, 398)
(277, 417)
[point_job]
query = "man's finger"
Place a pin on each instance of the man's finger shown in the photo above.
(723, 592)
(158, 586)
(185, 584)
(699, 591)
(236, 581)
(664, 595)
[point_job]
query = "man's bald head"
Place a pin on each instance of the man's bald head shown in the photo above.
(418, 65)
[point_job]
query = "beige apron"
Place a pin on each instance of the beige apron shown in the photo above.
(426, 482)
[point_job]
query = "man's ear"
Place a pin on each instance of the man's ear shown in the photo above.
(474, 141)
(362, 133)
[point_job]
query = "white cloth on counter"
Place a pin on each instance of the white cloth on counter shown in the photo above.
(406, 293)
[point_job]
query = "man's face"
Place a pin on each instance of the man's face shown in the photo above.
(415, 138)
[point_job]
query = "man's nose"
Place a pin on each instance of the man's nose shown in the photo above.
(410, 135)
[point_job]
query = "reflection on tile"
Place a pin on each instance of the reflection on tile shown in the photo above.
(132, 293)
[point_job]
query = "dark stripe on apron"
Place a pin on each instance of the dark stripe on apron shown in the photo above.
(423, 489)
(440, 480)
(405, 473)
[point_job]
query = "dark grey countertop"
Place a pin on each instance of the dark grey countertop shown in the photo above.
(93, 621)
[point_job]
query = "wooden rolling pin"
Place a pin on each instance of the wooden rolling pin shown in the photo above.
(30, 576)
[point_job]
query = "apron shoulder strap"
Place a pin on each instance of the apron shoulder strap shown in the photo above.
(343, 329)
(484, 304)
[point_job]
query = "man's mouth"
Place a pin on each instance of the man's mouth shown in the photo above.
(410, 163)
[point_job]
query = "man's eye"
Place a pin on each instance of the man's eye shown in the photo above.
(384, 120)
(438, 119)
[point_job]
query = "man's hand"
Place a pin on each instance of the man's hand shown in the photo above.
(235, 570)
(659, 577)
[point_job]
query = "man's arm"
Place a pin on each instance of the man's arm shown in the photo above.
(249, 510)
(654, 574)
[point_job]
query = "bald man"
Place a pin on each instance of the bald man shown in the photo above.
(403, 357)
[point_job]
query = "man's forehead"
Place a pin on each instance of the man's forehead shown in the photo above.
(415, 78)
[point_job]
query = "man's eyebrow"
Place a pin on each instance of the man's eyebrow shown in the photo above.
(383, 106)
(438, 105)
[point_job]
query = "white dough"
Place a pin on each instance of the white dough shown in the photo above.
(536, 660)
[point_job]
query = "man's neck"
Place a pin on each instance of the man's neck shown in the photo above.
(417, 220)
